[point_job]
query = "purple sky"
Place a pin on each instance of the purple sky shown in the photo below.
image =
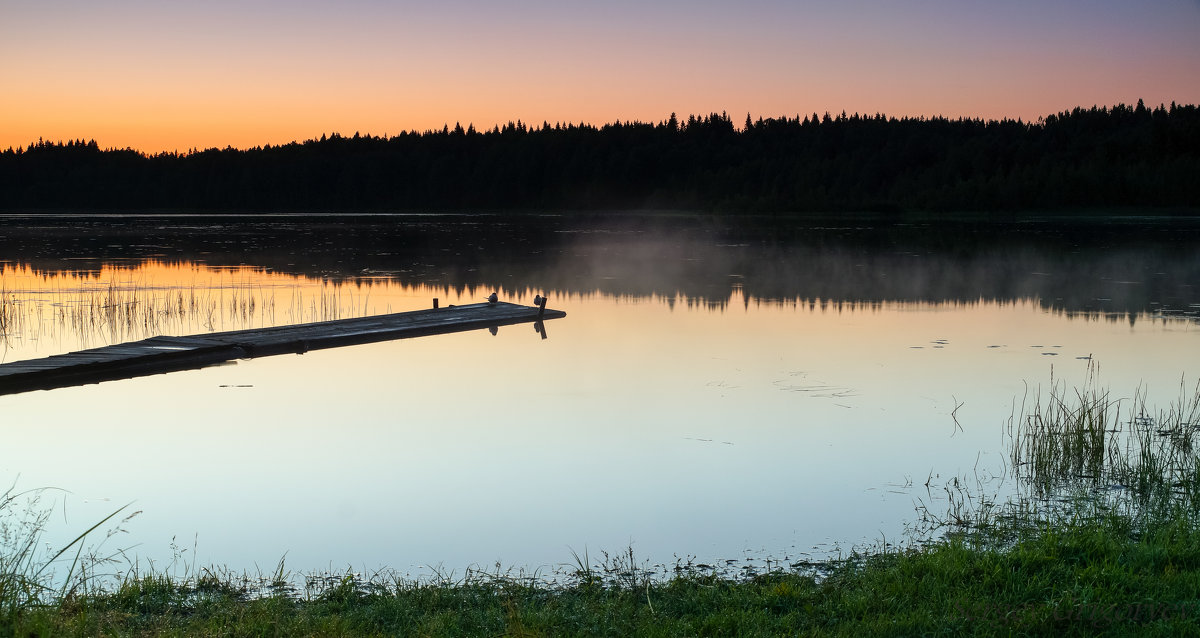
(175, 75)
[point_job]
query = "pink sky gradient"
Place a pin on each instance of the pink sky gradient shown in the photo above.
(174, 76)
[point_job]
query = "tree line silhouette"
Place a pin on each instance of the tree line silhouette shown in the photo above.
(1118, 157)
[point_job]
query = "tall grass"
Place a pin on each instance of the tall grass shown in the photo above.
(1085, 445)
(31, 571)
(1078, 453)
(1069, 437)
(118, 306)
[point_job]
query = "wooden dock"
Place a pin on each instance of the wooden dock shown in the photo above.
(167, 354)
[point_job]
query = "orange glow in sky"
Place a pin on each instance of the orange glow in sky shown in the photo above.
(176, 76)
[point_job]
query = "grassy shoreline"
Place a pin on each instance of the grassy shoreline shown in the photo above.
(1073, 579)
(1104, 537)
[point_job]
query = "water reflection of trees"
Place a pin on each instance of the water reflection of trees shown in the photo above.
(1113, 270)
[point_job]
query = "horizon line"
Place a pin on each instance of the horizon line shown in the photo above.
(519, 124)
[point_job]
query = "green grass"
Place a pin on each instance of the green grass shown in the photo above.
(1095, 451)
(1075, 579)
(1121, 557)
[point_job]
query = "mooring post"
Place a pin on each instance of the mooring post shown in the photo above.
(435, 303)
(541, 307)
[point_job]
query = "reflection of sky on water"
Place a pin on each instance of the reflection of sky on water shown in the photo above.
(711, 391)
(684, 429)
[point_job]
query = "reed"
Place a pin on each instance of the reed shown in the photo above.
(83, 312)
(1086, 446)
(1068, 437)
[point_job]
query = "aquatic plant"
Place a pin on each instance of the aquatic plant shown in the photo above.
(1074, 454)
(1068, 437)
(120, 305)
(1116, 452)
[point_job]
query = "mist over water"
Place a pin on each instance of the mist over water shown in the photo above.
(1110, 266)
(715, 392)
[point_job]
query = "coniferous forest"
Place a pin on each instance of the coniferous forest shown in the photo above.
(1098, 158)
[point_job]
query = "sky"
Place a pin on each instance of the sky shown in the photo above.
(167, 75)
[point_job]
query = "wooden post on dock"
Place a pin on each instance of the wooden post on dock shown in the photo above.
(541, 308)
(435, 306)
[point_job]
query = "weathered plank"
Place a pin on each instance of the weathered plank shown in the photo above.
(166, 354)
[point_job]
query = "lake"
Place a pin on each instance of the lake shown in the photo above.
(718, 393)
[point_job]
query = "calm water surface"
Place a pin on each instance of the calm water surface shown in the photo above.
(712, 393)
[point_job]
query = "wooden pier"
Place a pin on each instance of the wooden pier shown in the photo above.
(167, 354)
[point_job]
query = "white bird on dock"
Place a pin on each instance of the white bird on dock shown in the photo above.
(492, 298)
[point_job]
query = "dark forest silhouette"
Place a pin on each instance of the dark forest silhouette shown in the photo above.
(1119, 157)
